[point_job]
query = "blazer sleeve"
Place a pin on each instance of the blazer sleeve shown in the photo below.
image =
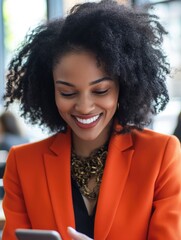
(13, 202)
(165, 222)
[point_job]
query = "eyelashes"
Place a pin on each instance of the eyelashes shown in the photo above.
(97, 92)
(101, 92)
(67, 94)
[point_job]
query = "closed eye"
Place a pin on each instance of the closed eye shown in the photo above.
(67, 94)
(101, 92)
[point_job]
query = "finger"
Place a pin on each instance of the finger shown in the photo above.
(76, 235)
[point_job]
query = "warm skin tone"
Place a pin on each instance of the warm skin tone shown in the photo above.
(76, 235)
(84, 90)
(86, 98)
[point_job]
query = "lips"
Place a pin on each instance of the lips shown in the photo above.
(87, 121)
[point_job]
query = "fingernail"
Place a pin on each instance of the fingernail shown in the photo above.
(71, 229)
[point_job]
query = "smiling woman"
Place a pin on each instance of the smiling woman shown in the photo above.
(94, 78)
(86, 99)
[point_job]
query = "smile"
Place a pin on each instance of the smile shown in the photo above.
(88, 120)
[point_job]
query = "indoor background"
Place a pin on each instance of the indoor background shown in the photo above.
(17, 17)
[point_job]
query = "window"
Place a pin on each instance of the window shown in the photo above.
(17, 18)
(169, 13)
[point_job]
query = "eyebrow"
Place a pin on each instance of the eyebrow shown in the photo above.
(91, 83)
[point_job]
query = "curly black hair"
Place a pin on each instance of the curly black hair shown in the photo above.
(127, 41)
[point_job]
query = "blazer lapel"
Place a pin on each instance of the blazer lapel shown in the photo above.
(59, 182)
(114, 178)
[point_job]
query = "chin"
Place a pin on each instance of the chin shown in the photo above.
(88, 136)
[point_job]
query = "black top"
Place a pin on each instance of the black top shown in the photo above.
(84, 223)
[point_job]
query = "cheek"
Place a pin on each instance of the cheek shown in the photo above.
(110, 104)
(62, 105)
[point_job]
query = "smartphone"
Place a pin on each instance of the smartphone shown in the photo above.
(32, 234)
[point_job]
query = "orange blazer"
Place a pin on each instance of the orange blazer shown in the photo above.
(139, 198)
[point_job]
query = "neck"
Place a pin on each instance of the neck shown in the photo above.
(84, 148)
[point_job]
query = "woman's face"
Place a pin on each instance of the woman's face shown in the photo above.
(86, 97)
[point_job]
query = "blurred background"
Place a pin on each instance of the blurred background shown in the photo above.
(17, 17)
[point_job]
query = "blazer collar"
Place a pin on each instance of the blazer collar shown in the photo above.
(60, 143)
(57, 168)
(116, 171)
(62, 140)
(115, 175)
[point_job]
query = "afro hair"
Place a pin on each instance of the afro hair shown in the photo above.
(126, 40)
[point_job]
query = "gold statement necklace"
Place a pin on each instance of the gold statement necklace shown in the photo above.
(83, 169)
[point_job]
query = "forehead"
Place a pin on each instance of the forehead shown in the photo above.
(78, 63)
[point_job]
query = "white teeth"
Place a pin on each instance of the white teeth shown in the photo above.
(87, 121)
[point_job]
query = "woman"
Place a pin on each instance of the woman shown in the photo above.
(94, 79)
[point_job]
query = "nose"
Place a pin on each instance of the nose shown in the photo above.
(84, 104)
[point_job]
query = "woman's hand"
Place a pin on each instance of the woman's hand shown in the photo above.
(76, 235)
